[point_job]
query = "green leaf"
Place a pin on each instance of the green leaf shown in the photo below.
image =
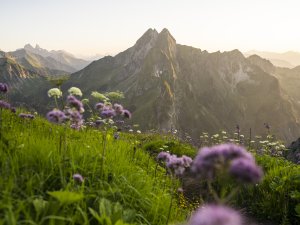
(66, 197)
(39, 205)
(105, 207)
(95, 214)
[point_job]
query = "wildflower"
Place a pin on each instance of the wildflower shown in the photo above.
(163, 156)
(75, 103)
(99, 96)
(138, 131)
(186, 161)
(13, 109)
(56, 116)
(245, 170)
(116, 136)
(78, 178)
(75, 91)
(26, 116)
(76, 119)
(4, 105)
(3, 88)
(130, 130)
(215, 215)
(208, 159)
(119, 122)
(85, 101)
(54, 92)
(99, 106)
(109, 113)
(126, 114)
(118, 108)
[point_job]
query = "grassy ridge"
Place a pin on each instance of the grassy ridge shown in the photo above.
(38, 161)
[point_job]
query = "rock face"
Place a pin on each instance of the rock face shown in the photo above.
(177, 86)
(294, 151)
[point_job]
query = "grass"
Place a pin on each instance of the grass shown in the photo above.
(38, 161)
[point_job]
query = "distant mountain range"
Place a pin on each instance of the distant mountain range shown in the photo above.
(287, 59)
(168, 85)
(72, 64)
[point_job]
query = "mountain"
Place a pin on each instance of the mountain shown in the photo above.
(177, 86)
(45, 66)
(73, 64)
(287, 59)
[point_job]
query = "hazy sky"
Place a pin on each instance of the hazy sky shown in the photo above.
(87, 27)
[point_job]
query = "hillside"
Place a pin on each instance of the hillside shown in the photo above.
(52, 174)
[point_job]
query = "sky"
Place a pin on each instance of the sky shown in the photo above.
(89, 27)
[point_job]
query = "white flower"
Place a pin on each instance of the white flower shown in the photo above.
(138, 131)
(54, 92)
(75, 91)
(85, 101)
(130, 130)
(99, 96)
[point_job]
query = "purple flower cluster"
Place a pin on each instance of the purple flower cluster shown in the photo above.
(3, 88)
(56, 116)
(240, 163)
(73, 102)
(109, 111)
(215, 215)
(26, 116)
(176, 165)
(75, 118)
(72, 114)
(4, 105)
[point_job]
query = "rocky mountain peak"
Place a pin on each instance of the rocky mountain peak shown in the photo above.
(264, 64)
(166, 42)
(149, 36)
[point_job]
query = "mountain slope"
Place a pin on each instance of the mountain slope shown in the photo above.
(176, 86)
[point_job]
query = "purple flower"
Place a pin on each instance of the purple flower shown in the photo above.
(78, 178)
(215, 215)
(3, 87)
(245, 170)
(56, 116)
(76, 119)
(119, 122)
(99, 106)
(126, 113)
(13, 109)
(163, 156)
(4, 105)
(209, 158)
(26, 116)
(108, 113)
(118, 108)
(175, 162)
(116, 136)
(75, 103)
(186, 161)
